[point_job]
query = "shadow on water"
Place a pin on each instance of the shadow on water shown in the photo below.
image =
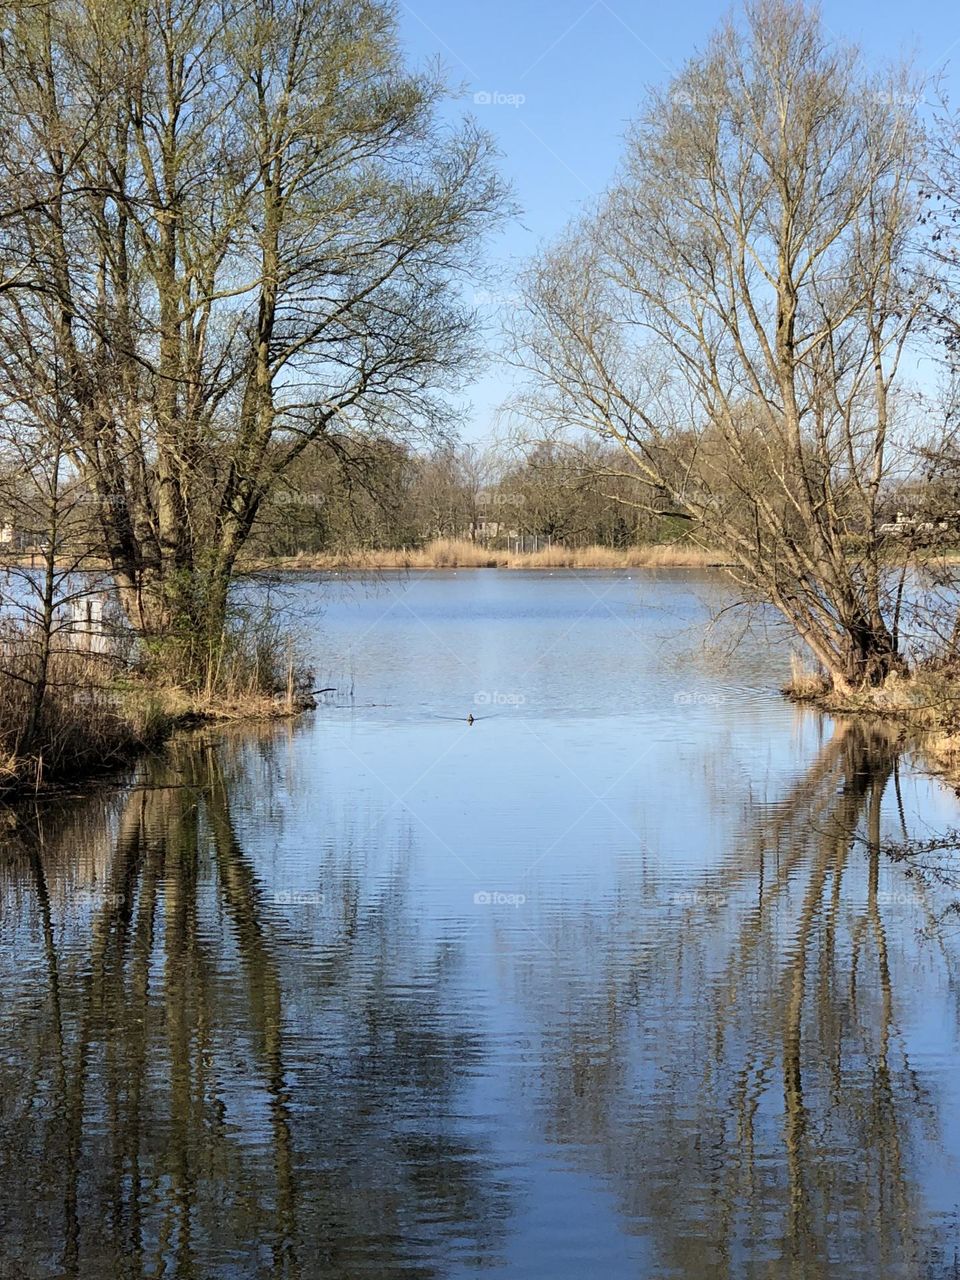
(158, 1116)
(189, 1087)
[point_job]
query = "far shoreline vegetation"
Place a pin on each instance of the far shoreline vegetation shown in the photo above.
(461, 553)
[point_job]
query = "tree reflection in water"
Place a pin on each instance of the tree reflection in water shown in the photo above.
(162, 1112)
(196, 1082)
(741, 1077)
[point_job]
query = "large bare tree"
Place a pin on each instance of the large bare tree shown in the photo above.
(735, 312)
(228, 227)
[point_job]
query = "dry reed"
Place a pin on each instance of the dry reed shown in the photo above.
(453, 553)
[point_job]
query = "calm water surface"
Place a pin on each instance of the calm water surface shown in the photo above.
(618, 981)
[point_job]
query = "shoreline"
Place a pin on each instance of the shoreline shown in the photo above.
(462, 554)
(458, 554)
(21, 780)
(924, 707)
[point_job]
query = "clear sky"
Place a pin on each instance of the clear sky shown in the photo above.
(565, 76)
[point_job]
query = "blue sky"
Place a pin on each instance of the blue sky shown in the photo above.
(565, 77)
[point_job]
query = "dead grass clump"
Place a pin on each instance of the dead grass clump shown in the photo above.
(807, 684)
(81, 725)
(456, 553)
(96, 713)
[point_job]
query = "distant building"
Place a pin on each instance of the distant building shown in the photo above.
(87, 624)
(910, 526)
(491, 509)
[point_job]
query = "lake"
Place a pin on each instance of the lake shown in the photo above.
(619, 980)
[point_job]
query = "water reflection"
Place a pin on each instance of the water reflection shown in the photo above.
(201, 1077)
(748, 1089)
(170, 1117)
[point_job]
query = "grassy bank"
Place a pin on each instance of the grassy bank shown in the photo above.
(451, 553)
(103, 730)
(925, 705)
(96, 717)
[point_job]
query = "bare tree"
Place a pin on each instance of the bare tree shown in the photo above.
(52, 620)
(940, 218)
(243, 225)
(735, 313)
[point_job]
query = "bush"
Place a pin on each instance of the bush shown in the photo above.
(81, 723)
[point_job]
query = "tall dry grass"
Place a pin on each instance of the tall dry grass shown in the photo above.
(98, 711)
(256, 664)
(250, 667)
(806, 683)
(457, 553)
(84, 724)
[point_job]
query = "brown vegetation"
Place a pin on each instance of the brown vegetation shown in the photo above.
(96, 714)
(455, 553)
(925, 704)
(84, 724)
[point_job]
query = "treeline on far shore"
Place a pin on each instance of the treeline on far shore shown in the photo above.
(373, 497)
(539, 504)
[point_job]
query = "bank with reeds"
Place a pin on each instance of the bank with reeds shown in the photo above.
(77, 714)
(924, 704)
(460, 553)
